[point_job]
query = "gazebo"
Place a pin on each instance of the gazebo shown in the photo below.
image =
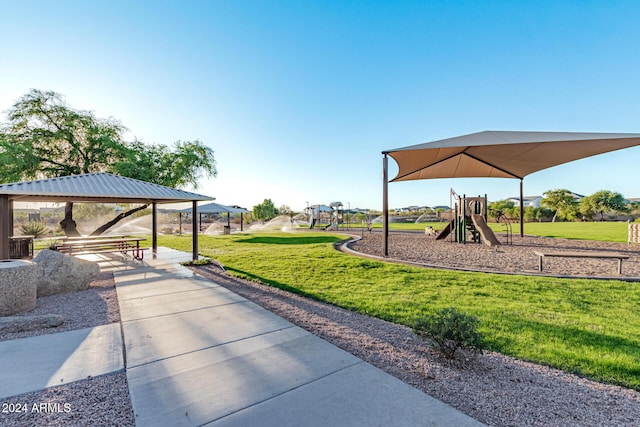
(94, 187)
(216, 208)
(496, 154)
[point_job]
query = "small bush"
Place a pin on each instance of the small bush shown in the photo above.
(450, 330)
(34, 228)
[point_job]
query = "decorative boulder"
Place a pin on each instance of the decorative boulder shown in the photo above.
(63, 273)
(18, 287)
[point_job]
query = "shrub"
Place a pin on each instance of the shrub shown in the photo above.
(450, 330)
(34, 228)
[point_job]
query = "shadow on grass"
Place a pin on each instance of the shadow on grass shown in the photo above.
(250, 276)
(591, 343)
(289, 240)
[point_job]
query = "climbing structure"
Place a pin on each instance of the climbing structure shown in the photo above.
(469, 218)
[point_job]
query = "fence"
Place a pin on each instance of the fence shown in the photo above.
(21, 247)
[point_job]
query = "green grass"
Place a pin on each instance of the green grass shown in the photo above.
(587, 327)
(602, 231)
(412, 225)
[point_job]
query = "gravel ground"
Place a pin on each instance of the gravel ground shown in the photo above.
(95, 401)
(518, 257)
(490, 387)
(97, 305)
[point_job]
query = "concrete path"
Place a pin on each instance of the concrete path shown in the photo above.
(198, 354)
(36, 363)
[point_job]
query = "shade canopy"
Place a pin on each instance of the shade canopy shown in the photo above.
(502, 154)
(496, 154)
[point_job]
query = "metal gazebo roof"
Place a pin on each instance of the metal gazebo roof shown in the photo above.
(96, 187)
(93, 187)
(217, 208)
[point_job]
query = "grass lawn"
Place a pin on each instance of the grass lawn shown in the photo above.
(588, 327)
(602, 231)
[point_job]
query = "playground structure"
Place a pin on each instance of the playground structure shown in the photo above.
(469, 218)
(328, 216)
(633, 233)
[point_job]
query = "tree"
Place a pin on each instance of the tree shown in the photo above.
(601, 202)
(178, 167)
(265, 211)
(530, 213)
(504, 207)
(587, 208)
(285, 210)
(561, 202)
(45, 138)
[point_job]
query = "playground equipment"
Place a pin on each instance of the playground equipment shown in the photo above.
(330, 215)
(469, 217)
(633, 234)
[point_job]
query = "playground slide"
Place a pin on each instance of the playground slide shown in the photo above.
(445, 231)
(486, 233)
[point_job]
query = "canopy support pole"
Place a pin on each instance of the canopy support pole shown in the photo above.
(385, 203)
(154, 229)
(521, 210)
(196, 230)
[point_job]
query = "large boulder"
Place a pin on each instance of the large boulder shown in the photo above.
(18, 280)
(63, 273)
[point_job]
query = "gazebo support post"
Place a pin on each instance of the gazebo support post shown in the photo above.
(6, 225)
(521, 210)
(385, 203)
(10, 218)
(196, 228)
(154, 229)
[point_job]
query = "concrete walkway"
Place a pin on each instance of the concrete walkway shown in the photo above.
(198, 354)
(36, 363)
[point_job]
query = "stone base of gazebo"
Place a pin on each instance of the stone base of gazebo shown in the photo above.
(18, 286)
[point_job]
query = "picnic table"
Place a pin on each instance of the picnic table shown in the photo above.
(128, 246)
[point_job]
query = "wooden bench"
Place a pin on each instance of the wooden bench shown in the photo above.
(603, 255)
(128, 246)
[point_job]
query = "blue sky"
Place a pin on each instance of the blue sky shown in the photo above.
(299, 98)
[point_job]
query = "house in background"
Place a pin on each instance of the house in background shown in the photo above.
(533, 201)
